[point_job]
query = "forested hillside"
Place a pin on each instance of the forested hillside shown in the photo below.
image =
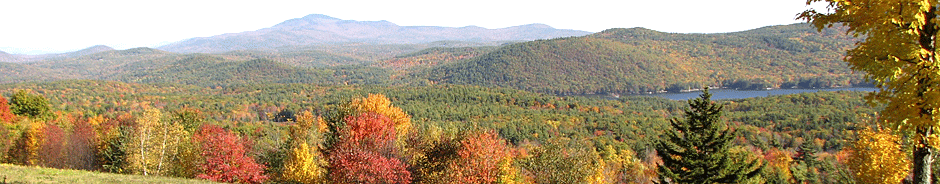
(639, 60)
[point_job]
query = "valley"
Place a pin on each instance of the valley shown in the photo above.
(305, 100)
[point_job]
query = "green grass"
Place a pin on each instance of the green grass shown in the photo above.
(26, 174)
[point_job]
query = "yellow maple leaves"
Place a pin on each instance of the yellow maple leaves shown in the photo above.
(877, 157)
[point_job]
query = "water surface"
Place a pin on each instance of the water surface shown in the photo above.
(718, 94)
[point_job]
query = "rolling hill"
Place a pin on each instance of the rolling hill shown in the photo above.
(639, 60)
(14, 58)
(148, 65)
(319, 29)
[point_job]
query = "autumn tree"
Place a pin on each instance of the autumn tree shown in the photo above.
(697, 150)
(877, 157)
(620, 166)
(380, 104)
(6, 115)
(25, 149)
(899, 54)
(81, 146)
(152, 145)
(778, 165)
(481, 157)
(366, 152)
(358, 165)
(226, 158)
(559, 160)
(303, 164)
(52, 146)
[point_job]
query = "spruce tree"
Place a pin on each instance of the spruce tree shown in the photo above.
(697, 149)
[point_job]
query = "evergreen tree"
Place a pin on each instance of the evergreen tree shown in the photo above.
(698, 149)
(807, 153)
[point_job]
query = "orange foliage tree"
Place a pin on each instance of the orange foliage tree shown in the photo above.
(366, 152)
(480, 157)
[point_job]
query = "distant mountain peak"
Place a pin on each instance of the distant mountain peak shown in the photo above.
(96, 48)
(537, 26)
(315, 29)
(319, 17)
(308, 21)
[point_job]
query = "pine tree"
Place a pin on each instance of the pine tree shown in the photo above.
(698, 149)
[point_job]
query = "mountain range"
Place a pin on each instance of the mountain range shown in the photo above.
(319, 29)
(6, 57)
(328, 51)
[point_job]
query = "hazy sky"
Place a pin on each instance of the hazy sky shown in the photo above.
(41, 26)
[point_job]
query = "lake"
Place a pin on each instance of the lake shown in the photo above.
(718, 94)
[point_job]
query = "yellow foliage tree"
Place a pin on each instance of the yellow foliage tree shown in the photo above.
(303, 164)
(153, 144)
(379, 104)
(303, 167)
(617, 166)
(778, 165)
(25, 150)
(877, 157)
(508, 174)
(901, 54)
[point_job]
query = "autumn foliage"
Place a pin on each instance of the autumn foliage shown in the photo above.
(81, 146)
(877, 157)
(52, 146)
(366, 152)
(303, 164)
(226, 159)
(6, 116)
(366, 166)
(378, 103)
(480, 159)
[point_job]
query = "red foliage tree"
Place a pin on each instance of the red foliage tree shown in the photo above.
(370, 130)
(6, 116)
(51, 147)
(81, 146)
(366, 152)
(365, 166)
(226, 159)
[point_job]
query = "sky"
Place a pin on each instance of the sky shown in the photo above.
(54, 26)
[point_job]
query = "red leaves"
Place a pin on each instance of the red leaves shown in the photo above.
(366, 166)
(366, 151)
(225, 157)
(53, 142)
(6, 116)
(370, 130)
(81, 146)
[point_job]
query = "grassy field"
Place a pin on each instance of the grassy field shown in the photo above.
(25, 174)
